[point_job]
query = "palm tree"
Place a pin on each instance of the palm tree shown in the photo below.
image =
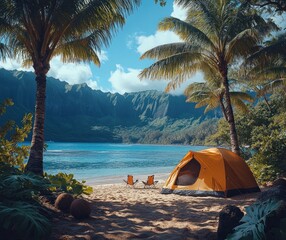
(211, 95)
(265, 70)
(37, 31)
(278, 5)
(214, 35)
(264, 78)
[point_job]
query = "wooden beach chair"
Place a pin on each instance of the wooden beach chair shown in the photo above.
(150, 182)
(130, 182)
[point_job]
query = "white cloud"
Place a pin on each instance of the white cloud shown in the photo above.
(179, 12)
(102, 55)
(126, 80)
(147, 42)
(12, 64)
(73, 73)
(160, 37)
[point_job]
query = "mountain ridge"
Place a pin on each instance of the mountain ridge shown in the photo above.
(79, 113)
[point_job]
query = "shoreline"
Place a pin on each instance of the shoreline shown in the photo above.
(118, 179)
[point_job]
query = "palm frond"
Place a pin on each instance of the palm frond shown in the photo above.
(185, 31)
(273, 72)
(272, 86)
(80, 49)
(4, 51)
(202, 103)
(242, 44)
(194, 87)
(239, 104)
(36, 29)
(166, 50)
(242, 96)
(206, 15)
(198, 96)
(212, 105)
(275, 49)
(176, 66)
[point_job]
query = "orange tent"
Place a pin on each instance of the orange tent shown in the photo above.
(211, 172)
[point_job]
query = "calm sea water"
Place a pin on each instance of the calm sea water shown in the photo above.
(96, 162)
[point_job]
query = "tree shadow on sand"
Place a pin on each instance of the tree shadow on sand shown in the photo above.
(116, 219)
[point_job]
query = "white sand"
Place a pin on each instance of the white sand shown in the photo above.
(119, 212)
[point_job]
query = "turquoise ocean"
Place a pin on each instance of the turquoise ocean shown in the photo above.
(108, 163)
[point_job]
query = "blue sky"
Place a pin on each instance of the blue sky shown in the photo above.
(120, 63)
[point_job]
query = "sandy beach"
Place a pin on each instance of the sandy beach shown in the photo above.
(119, 213)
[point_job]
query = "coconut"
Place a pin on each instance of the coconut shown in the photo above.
(80, 208)
(63, 202)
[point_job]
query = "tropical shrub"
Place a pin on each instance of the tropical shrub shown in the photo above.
(261, 221)
(23, 221)
(20, 213)
(263, 132)
(63, 182)
(10, 137)
(269, 162)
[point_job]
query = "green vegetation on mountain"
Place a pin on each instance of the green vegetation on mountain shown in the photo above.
(78, 113)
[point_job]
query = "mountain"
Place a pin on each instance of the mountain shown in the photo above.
(79, 113)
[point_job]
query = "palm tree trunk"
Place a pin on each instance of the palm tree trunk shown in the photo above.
(223, 107)
(35, 162)
(230, 118)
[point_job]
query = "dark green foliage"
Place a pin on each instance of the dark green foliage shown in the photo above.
(20, 213)
(263, 131)
(63, 182)
(220, 136)
(24, 221)
(10, 137)
(257, 223)
(169, 131)
(21, 186)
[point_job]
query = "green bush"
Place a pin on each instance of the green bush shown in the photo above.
(10, 137)
(20, 213)
(264, 133)
(269, 161)
(24, 221)
(63, 182)
(261, 221)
